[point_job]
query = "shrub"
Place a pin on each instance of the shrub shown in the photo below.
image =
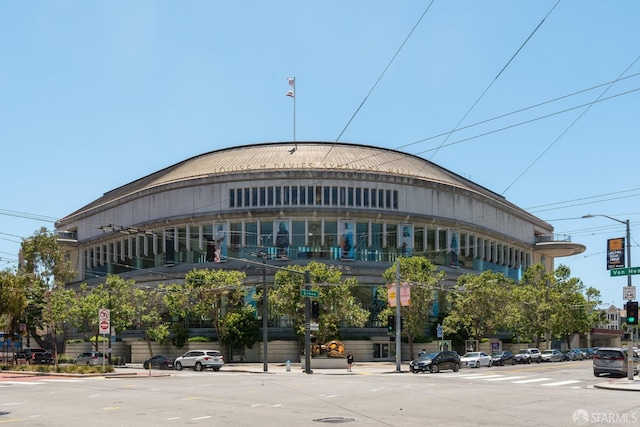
(199, 339)
(75, 341)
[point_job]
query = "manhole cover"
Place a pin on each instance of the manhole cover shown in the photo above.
(334, 420)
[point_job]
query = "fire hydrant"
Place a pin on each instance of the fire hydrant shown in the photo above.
(288, 366)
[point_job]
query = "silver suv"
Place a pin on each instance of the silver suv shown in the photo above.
(613, 361)
(527, 355)
(89, 358)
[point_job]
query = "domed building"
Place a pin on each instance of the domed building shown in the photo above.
(353, 206)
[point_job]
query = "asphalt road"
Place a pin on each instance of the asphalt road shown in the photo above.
(558, 394)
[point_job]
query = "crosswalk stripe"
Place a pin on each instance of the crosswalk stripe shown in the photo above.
(561, 383)
(533, 380)
(505, 378)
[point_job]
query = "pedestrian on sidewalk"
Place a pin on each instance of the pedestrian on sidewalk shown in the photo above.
(349, 361)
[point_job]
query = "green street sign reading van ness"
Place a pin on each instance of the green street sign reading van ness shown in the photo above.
(625, 271)
(308, 293)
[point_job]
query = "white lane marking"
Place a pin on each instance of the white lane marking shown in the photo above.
(22, 382)
(173, 418)
(505, 378)
(201, 418)
(560, 383)
(484, 377)
(533, 380)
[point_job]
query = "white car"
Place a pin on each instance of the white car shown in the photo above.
(475, 359)
(199, 360)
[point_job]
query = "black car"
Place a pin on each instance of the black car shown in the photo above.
(435, 362)
(35, 356)
(158, 361)
(500, 358)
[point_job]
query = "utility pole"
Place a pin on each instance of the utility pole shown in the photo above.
(307, 325)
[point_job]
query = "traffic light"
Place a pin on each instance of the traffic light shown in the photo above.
(315, 309)
(391, 323)
(632, 312)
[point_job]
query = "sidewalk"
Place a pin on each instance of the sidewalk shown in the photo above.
(622, 384)
(294, 368)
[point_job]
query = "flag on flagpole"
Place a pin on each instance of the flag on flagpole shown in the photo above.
(292, 83)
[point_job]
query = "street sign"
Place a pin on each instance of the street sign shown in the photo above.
(629, 293)
(308, 293)
(104, 318)
(313, 326)
(625, 271)
(439, 331)
(105, 327)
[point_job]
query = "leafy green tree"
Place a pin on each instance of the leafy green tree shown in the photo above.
(240, 328)
(423, 277)
(573, 307)
(533, 297)
(116, 294)
(213, 293)
(13, 301)
(57, 315)
(338, 304)
(479, 304)
(149, 316)
(44, 266)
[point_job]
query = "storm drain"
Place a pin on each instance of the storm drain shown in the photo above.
(334, 420)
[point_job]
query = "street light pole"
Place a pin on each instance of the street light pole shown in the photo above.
(630, 328)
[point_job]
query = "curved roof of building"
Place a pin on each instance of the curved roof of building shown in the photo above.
(298, 156)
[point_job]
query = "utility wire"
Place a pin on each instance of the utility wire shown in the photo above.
(568, 127)
(495, 79)
(384, 71)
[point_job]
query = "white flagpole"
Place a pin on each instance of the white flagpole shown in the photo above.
(294, 110)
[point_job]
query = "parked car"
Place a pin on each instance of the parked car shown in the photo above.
(34, 355)
(553, 355)
(528, 355)
(500, 358)
(475, 359)
(199, 360)
(90, 358)
(436, 362)
(613, 361)
(588, 352)
(577, 354)
(158, 361)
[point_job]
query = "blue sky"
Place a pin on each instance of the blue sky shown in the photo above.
(94, 95)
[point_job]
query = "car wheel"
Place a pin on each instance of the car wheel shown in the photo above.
(198, 366)
(456, 367)
(88, 363)
(597, 374)
(538, 361)
(216, 369)
(528, 361)
(145, 365)
(490, 363)
(434, 369)
(178, 366)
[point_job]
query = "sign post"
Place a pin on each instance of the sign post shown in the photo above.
(104, 320)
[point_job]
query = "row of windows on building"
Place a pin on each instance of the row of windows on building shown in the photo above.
(313, 195)
(308, 239)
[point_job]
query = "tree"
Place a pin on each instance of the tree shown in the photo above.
(149, 310)
(116, 294)
(423, 277)
(573, 308)
(240, 328)
(13, 301)
(338, 304)
(44, 265)
(213, 293)
(480, 304)
(533, 297)
(57, 314)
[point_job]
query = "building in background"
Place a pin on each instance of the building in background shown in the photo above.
(353, 206)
